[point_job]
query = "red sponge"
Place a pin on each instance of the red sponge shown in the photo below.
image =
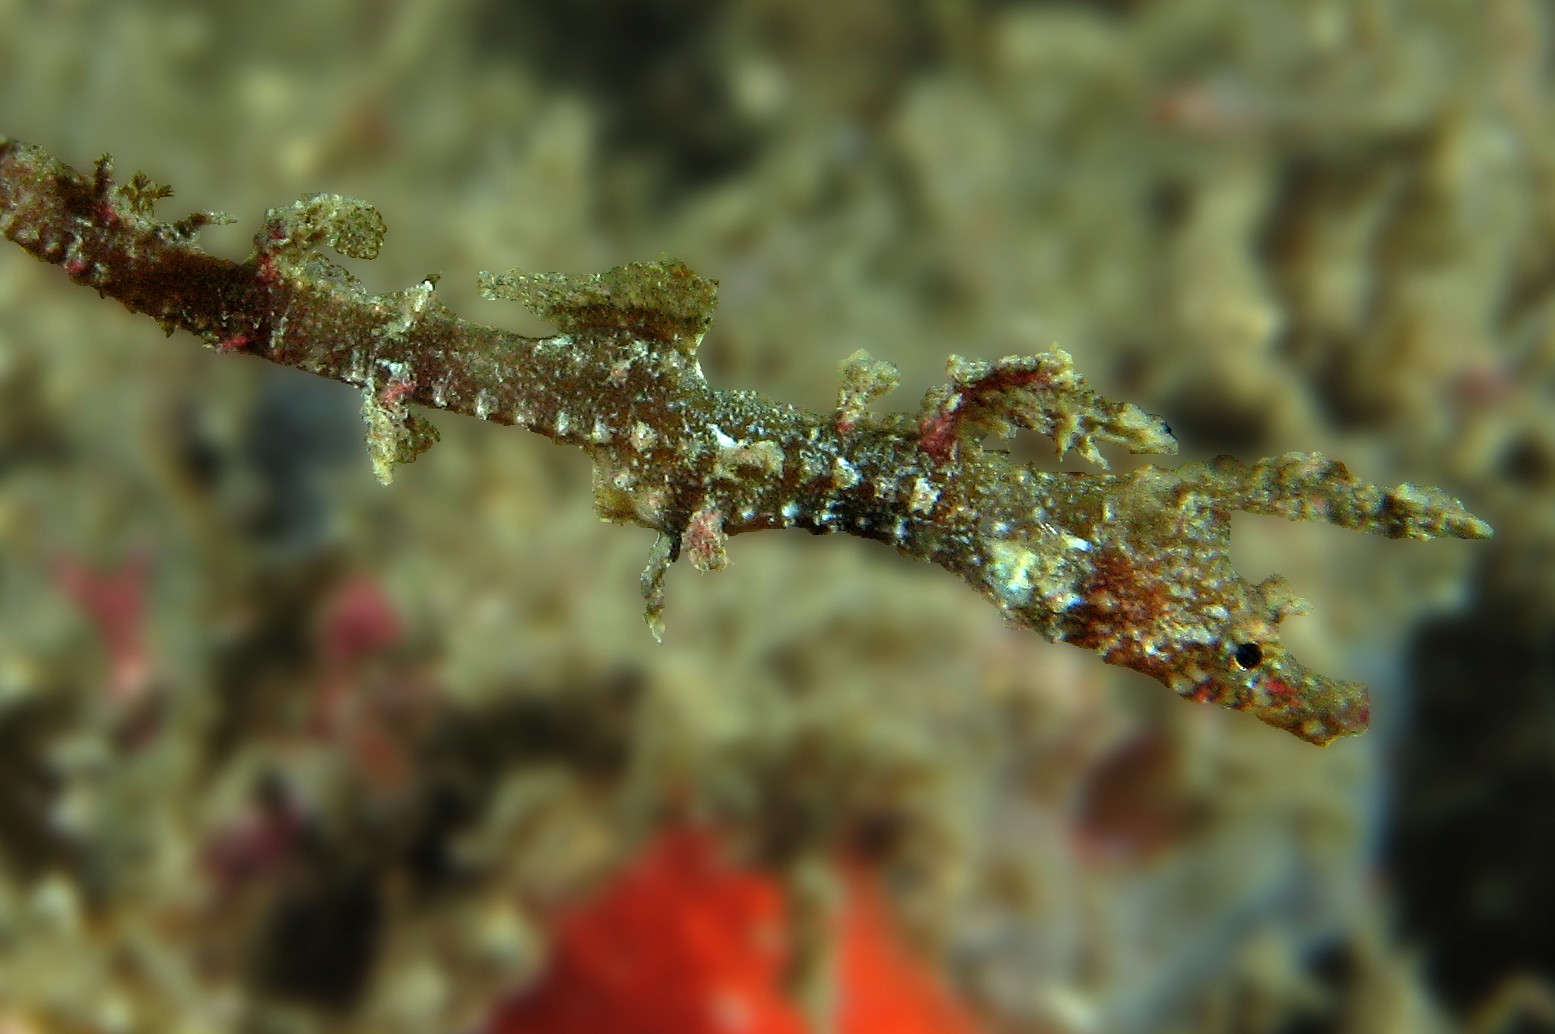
(682, 942)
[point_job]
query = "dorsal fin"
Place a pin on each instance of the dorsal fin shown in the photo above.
(661, 301)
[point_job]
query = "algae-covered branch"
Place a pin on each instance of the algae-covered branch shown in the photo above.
(1134, 566)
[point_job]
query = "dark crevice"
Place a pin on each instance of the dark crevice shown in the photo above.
(1471, 847)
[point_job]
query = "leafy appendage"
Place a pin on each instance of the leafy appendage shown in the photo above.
(1040, 393)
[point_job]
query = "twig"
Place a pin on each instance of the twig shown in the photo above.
(1134, 566)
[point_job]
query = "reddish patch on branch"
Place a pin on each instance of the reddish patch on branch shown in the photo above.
(107, 214)
(1278, 687)
(938, 432)
(705, 540)
(1116, 600)
(266, 271)
(394, 392)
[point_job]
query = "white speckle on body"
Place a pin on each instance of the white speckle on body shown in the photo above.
(643, 437)
(843, 474)
(924, 496)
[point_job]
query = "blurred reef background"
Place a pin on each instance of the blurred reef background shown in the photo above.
(283, 750)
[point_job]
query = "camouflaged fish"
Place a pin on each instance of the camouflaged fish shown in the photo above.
(1134, 566)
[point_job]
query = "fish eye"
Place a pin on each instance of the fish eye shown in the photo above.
(1248, 656)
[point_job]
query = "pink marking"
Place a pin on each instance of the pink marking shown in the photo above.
(357, 624)
(257, 845)
(393, 393)
(937, 434)
(1279, 687)
(360, 620)
(705, 539)
(115, 603)
(269, 269)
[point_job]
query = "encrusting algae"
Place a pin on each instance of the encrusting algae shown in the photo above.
(1135, 566)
